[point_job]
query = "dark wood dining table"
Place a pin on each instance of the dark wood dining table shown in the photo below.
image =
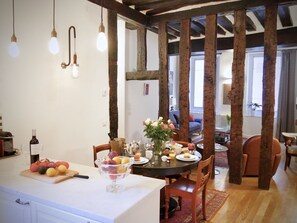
(159, 169)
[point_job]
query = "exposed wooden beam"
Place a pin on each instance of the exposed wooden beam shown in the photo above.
(219, 29)
(173, 31)
(142, 2)
(184, 71)
(265, 169)
(225, 23)
(157, 8)
(260, 15)
(209, 95)
(194, 30)
(200, 27)
(125, 11)
(285, 15)
(143, 75)
(237, 91)
(113, 72)
(212, 9)
(163, 68)
(141, 49)
(285, 38)
(156, 30)
(250, 25)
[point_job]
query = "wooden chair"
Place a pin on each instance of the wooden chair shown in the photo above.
(188, 189)
(291, 148)
(100, 148)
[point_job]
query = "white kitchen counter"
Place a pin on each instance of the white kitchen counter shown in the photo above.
(139, 202)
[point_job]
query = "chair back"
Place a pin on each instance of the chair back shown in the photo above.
(251, 147)
(204, 172)
(100, 148)
(183, 143)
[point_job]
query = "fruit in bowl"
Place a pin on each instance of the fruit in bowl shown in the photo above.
(115, 169)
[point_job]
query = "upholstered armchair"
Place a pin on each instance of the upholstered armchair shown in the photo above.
(251, 156)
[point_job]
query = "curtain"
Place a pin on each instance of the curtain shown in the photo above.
(285, 121)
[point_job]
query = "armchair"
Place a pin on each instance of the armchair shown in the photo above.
(251, 156)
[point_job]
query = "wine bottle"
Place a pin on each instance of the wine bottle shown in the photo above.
(34, 148)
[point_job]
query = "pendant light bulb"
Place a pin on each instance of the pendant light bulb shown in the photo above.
(101, 38)
(101, 42)
(53, 45)
(75, 67)
(13, 48)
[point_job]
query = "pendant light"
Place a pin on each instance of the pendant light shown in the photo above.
(53, 45)
(13, 48)
(101, 38)
(74, 65)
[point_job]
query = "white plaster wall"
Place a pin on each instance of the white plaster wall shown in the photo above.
(139, 107)
(35, 92)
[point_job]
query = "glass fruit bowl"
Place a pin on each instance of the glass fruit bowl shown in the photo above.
(114, 169)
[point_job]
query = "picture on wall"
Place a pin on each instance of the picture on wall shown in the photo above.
(226, 94)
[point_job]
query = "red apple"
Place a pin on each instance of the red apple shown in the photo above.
(112, 154)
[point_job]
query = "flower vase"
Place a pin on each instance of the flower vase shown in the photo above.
(158, 147)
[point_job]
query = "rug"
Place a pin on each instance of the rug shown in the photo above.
(221, 159)
(214, 201)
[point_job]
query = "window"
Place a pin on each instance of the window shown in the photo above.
(197, 83)
(254, 82)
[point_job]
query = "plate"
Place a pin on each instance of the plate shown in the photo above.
(142, 160)
(191, 158)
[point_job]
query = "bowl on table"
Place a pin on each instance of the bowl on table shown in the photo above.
(114, 169)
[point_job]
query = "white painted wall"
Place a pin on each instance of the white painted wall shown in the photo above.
(139, 107)
(35, 92)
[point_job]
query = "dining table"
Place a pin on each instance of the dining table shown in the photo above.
(157, 168)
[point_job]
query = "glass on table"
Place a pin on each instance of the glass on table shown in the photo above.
(191, 148)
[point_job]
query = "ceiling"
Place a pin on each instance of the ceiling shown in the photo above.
(157, 10)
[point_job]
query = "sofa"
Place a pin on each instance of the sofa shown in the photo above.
(195, 124)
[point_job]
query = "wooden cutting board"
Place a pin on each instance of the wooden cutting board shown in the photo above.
(45, 178)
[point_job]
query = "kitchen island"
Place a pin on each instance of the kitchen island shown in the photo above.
(24, 199)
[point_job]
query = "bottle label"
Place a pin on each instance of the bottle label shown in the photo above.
(35, 149)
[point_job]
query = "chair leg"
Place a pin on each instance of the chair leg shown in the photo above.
(203, 203)
(286, 163)
(289, 161)
(194, 210)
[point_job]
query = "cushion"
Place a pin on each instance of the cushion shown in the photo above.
(176, 118)
(191, 118)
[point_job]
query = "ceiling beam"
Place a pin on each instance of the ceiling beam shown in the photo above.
(173, 5)
(199, 26)
(219, 29)
(225, 23)
(260, 15)
(140, 2)
(212, 9)
(285, 38)
(284, 15)
(250, 25)
(123, 10)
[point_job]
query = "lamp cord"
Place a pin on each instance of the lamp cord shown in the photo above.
(54, 13)
(13, 28)
(101, 12)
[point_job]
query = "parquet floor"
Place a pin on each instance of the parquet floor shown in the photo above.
(248, 203)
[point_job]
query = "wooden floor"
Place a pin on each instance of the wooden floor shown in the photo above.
(247, 203)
